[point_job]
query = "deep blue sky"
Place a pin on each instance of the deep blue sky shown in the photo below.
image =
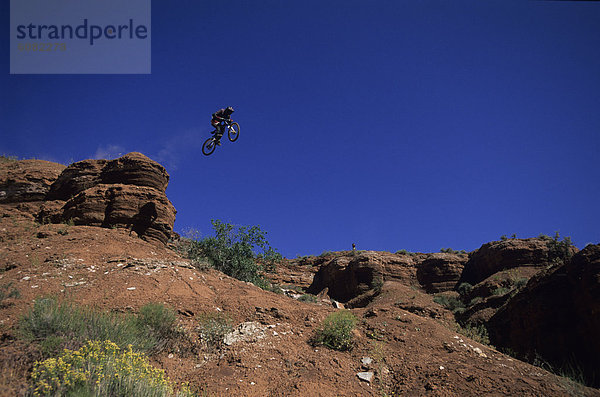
(393, 124)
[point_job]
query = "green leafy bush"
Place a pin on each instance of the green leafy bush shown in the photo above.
(336, 331)
(241, 252)
(559, 251)
(101, 368)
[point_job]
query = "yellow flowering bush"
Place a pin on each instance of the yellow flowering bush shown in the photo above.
(100, 368)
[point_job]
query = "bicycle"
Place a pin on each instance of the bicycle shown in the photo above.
(233, 133)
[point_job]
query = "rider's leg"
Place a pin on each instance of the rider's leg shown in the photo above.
(219, 133)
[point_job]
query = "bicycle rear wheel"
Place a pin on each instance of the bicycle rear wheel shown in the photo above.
(209, 146)
(233, 132)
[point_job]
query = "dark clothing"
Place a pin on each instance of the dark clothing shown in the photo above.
(220, 115)
(217, 117)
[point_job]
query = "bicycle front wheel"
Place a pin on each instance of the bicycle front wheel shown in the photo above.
(209, 146)
(233, 132)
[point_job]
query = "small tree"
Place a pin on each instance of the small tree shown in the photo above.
(559, 251)
(241, 252)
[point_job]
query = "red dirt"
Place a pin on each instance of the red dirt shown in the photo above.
(411, 340)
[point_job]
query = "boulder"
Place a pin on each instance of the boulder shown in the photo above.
(440, 272)
(27, 180)
(556, 316)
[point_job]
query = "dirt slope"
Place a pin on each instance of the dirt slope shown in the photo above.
(409, 338)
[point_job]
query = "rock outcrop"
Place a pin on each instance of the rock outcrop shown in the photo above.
(347, 277)
(496, 256)
(440, 272)
(557, 316)
(125, 192)
(356, 277)
(132, 169)
(27, 180)
(145, 210)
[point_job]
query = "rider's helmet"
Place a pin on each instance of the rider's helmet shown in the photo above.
(229, 109)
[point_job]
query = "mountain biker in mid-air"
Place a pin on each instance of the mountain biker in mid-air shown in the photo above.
(217, 117)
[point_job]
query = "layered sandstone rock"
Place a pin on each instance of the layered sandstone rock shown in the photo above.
(356, 277)
(125, 192)
(131, 169)
(496, 256)
(144, 210)
(556, 316)
(440, 272)
(27, 180)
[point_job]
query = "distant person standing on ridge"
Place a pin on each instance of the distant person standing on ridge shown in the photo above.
(219, 116)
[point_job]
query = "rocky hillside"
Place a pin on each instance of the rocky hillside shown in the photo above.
(96, 233)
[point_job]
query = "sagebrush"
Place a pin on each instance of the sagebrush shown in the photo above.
(56, 325)
(335, 331)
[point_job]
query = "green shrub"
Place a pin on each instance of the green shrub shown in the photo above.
(265, 284)
(325, 253)
(159, 319)
(57, 324)
(8, 291)
(559, 251)
(213, 328)
(8, 159)
(101, 368)
(521, 282)
(478, 333)
(308, 298)
(451, 303)
(464, 289)
(336, 331)
(241, 252)
(377, 284)
(501, 291)
(452, 251)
